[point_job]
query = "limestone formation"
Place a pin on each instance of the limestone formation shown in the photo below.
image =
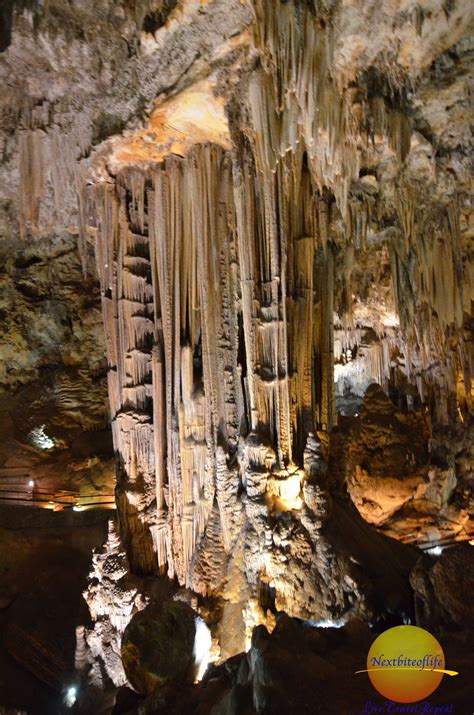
(440, 586)
(53, 381)
(112, 600)
(219, 251)
(388, 464)
(296, 669)
(254, 216)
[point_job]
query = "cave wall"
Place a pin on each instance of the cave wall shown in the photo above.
(263, 220)
(53, 379)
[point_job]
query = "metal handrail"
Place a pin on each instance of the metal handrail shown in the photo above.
(61, 498)
(447, 541)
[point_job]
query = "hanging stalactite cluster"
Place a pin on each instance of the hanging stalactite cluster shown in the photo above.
(204, 310)
(241, 255)
(222, 269)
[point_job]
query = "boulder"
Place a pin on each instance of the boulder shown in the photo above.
(157, 646)
(443, 590)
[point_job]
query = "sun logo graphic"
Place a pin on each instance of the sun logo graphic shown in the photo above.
(406, 664)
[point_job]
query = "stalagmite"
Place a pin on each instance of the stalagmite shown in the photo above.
(268, 201)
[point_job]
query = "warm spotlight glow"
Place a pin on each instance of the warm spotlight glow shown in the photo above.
(202, 648)
(287, 490)
(194, 116)
(31, 483)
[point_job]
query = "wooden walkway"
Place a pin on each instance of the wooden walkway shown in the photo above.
(18, 488)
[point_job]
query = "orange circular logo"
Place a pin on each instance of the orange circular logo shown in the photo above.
(406, 664)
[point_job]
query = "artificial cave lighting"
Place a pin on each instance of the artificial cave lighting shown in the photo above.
(435, 550)
(70, 696)
(202, 648)
(287, 490)
(194, 116)
(237, 287)
(40, 439)
(328, 623)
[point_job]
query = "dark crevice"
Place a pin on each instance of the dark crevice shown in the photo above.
(156, 19)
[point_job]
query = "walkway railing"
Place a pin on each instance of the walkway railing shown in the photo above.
(56, 500)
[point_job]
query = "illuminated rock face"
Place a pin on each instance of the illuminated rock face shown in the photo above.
(53, 372)
(207, 366)
(224, 254)
(157, 647)
(287, 227)
(112, 599)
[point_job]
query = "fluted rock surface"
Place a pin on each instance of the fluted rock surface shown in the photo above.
(275, 197)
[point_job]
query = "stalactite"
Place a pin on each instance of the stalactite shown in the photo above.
(219, 269)
(49, 164)
(291, 104)
(429, 288)
(208, 279)
(282, 228)
(160, 531)
(293, 99)
(32, 173)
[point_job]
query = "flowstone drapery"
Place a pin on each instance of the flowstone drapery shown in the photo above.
(219, 344)
(230, 233)
(273, 196)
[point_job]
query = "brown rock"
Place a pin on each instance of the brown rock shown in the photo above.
(443, 589)
(157, 646)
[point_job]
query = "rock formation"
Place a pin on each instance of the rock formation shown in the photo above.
(158, 647)
(296, 669)
(272, 198)
(53, 383)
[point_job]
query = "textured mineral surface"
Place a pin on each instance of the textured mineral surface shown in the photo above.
(236, 303)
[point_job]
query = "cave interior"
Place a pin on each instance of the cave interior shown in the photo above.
(236, 352)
